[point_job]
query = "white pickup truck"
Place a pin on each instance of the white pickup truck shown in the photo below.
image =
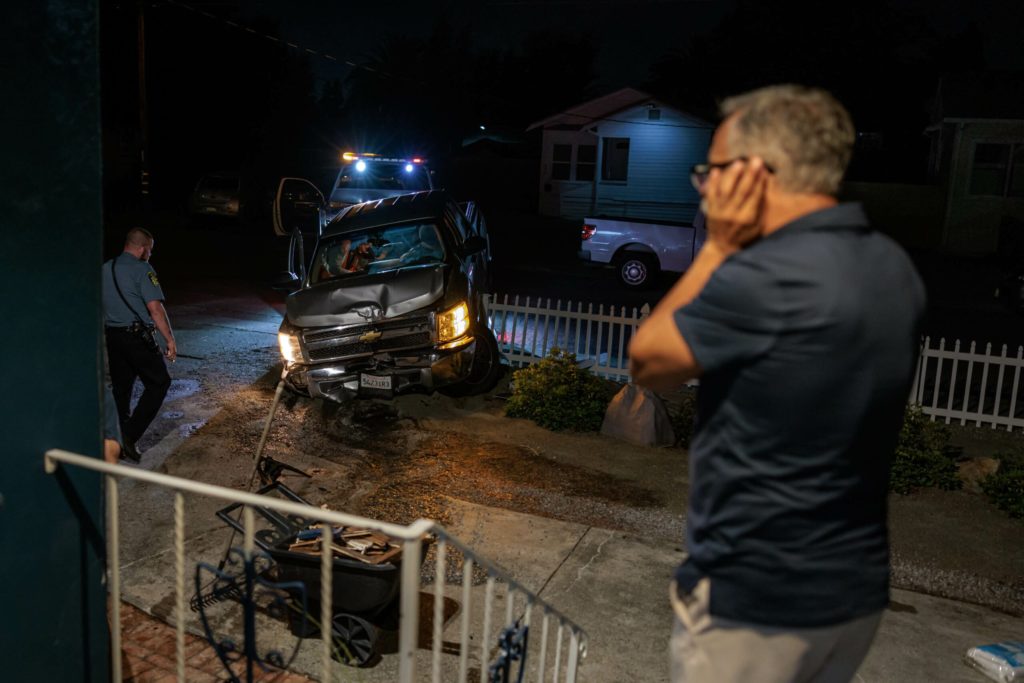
(640, 249)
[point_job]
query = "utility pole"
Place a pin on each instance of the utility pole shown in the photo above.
(143, 113)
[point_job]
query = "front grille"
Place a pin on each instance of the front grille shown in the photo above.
(382, 326)
(358, 348)
(337, 343)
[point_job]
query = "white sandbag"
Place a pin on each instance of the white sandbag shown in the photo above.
(1003, 662)
(638, 416)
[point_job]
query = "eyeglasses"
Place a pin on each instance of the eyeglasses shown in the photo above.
(699, 172)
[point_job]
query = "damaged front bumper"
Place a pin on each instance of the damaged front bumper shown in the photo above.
(384, 375)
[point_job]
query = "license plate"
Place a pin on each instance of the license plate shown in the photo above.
(375, 382)
(210, 209)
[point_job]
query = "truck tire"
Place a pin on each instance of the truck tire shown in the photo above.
(637, 270)
(486, 370)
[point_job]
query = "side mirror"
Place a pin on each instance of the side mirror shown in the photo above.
(286, 282)
(473, 245)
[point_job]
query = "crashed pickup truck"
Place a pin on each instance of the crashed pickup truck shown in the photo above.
(390, 302)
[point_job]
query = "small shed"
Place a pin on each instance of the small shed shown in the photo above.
(624, 154)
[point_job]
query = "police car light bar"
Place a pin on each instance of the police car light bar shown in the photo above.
(354, 156)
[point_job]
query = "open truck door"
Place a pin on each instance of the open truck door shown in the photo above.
(298, 215)
(298, 204)
(291, 279)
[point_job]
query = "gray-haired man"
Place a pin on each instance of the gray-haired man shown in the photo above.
(802, 324)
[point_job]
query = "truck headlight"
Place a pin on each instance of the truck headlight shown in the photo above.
(290, 350)
(453, 323)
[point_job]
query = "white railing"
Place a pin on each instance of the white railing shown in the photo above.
(968, 386)
(569, 640)
(527, 331)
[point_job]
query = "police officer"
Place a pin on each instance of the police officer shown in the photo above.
(133, 305)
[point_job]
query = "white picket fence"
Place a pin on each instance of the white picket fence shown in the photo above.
(527, 330)
(953, 385)
(968, 386)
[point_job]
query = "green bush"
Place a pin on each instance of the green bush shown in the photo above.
(1005, 488)
(683, 416)
(923, 456)
(557, 394)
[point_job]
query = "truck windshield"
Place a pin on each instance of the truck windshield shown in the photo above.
(376, 251)
(382, 175)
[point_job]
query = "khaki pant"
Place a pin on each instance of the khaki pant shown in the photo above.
(706, 649)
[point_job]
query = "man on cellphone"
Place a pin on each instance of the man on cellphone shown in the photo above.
(802, 324)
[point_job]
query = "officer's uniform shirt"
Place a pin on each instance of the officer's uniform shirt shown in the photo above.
(139, 284)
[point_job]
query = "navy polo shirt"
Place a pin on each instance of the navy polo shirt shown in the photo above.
(807, 340)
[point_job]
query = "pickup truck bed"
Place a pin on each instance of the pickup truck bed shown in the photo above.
(641, 248)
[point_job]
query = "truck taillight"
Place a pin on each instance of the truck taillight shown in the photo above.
(588, 231)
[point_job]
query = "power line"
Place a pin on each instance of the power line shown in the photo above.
(256, 32)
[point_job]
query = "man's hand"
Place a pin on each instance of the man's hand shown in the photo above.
(111, 451)
(159, 314)
(732, 204)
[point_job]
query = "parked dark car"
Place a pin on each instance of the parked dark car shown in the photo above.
(217, 194)
(390, 302)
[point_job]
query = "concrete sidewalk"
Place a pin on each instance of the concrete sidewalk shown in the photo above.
(615, 586)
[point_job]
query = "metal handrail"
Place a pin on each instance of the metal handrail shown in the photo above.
(411, 536)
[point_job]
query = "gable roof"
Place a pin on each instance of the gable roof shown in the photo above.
(580, 115)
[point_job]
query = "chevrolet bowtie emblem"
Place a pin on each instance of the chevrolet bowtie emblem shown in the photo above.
(370, 337)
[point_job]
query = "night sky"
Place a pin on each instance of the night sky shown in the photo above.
(630, 34)
(221, 97)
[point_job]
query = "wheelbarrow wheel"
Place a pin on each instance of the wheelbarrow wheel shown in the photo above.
(353, 639)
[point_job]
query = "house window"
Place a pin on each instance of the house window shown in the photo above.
(997, 170)
(561, 162)
(990, 169)
(586, 162)
(615, 160)
(1015, 188)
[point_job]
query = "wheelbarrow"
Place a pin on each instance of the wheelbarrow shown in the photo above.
(364, 597)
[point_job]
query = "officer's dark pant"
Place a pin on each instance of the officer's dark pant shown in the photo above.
(129, 357)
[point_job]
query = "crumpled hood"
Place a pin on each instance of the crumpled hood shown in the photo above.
(350, 301)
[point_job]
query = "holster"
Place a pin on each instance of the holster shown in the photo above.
(146, 333)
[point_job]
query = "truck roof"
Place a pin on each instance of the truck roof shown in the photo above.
(397, 209)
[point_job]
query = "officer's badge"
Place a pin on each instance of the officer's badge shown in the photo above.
(152, 278)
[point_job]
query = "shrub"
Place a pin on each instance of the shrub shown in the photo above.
(557, 394)
(923, 456)
(683, 417)
(1005, 488)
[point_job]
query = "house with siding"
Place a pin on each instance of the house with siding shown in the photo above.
(977, 156)
(624, 154)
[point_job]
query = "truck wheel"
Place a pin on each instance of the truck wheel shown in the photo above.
(637, 270)
(486, 370)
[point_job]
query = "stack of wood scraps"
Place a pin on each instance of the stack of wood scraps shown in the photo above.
(365, 545)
